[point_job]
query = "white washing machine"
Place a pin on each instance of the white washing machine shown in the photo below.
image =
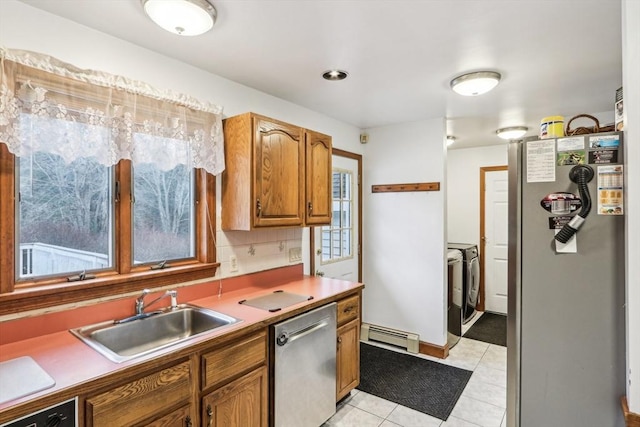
(470, 278)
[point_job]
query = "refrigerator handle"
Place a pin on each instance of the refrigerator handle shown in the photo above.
(581, 175)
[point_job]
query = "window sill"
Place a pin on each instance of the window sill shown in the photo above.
(42, 296)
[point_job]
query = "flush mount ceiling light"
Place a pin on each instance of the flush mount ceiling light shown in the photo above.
(476, 83)
(513, 132)
(182, 17)
(334, 75)
(450, 140)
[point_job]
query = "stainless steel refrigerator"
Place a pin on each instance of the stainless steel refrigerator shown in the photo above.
(566, 330)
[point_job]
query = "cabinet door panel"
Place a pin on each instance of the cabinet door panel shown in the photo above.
(241, 403)
(318, 175)
(348, 358)
(279, 173)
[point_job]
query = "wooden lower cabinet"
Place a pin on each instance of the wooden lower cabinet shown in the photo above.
(241, 403)
(348, 358)
(234, 389)
(225, 385)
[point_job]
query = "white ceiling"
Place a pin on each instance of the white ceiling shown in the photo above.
(557, 57)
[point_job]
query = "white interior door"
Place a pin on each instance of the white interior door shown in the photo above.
(495, 242)
(336, 246)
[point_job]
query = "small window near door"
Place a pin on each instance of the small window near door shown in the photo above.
(337, 239)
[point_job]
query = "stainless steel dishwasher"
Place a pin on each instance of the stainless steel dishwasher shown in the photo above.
(304, 367)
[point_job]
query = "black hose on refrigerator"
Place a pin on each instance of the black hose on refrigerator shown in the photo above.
(581, 175)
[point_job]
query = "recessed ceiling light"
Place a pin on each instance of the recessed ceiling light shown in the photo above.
(450, 140)
(476, 83)
(182, 17)
(513, 132)
(334, 75)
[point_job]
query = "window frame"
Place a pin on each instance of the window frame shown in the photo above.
(30, 294)
(331, 229)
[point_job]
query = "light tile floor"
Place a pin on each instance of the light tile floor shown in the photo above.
(482, 403)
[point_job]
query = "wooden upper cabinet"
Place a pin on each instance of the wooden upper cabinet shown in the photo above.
(318, 174)
(274, 172)
(263, 182)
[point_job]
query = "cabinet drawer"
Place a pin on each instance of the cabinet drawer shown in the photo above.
(348, 309)
(233, 359)
(141, 399)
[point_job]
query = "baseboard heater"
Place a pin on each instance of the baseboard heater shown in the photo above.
(410, 342)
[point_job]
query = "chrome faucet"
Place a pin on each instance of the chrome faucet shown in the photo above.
(140, 305)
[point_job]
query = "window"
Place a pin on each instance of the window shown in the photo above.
(104, 189)
(163, 214)
(65, 217)
(337, 239)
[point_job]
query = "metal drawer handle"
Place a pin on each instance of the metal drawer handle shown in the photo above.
(210, 415)
(348, 309)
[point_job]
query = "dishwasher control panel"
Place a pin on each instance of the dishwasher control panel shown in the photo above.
(60, 415)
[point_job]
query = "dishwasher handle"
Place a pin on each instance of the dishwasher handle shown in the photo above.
(285, 338)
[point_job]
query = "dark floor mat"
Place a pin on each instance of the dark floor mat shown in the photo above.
(429, 387)
(491, 328)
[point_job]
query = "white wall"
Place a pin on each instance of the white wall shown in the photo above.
(631, 84)
(463, 189)
(28, 28)
(404, 233)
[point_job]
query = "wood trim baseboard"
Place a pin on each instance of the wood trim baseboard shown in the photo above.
(631, 419)
(441, 352)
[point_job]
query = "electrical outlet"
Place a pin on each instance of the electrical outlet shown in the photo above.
(295, 254)
(233, 264)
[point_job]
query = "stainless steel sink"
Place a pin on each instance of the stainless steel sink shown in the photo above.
(137, 336)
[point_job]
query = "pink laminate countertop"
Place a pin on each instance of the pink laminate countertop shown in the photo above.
(72, 363)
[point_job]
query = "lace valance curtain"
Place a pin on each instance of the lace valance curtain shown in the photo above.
(50, 106)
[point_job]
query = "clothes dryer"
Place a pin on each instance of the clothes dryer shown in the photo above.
(455, 299)
(470, 278)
